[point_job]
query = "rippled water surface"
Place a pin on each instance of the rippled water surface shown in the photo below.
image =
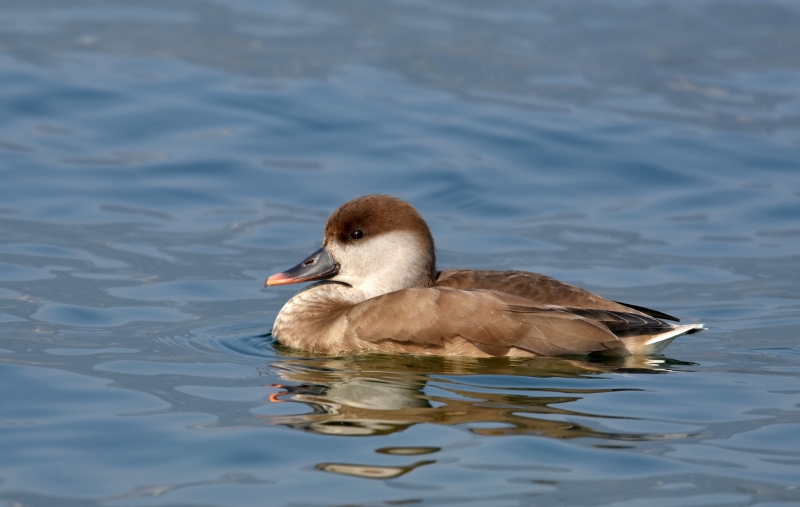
(161, 159)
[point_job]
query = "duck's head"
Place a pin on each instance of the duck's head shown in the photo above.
(376, 244)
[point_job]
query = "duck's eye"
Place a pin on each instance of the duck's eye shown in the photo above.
(357, 234)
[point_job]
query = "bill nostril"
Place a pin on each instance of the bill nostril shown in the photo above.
(310, 262)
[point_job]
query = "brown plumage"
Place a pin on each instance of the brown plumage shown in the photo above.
(383, 294)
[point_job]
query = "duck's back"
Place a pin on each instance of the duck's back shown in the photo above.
(539, 289)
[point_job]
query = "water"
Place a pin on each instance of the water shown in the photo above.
(161, 159)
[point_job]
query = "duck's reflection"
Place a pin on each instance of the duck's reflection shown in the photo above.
(371, 471)
(378, 395)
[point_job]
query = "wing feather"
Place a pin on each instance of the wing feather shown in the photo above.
(490, 320)
(534, 287)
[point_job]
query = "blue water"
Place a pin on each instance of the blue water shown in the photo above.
(160, 159)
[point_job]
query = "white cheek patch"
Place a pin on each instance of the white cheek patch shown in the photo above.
(381, 264)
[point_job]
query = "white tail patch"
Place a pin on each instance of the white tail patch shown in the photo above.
(651, 345)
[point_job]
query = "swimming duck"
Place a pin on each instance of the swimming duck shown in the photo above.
(378, 290)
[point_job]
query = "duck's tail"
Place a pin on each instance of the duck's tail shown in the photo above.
(654, 344)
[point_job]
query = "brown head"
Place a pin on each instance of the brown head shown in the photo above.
(376, 244)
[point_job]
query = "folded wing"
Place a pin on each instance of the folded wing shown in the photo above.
(492, 321)
(539, 289)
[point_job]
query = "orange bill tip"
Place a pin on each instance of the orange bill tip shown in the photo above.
(280, 279)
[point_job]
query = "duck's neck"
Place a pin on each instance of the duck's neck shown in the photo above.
(389, 281)
(327, 292)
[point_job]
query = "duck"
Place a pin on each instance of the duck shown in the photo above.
(377, 290)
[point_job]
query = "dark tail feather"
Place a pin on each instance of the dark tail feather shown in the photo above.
(650, 312)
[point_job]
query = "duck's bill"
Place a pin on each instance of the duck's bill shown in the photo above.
(317, 266)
